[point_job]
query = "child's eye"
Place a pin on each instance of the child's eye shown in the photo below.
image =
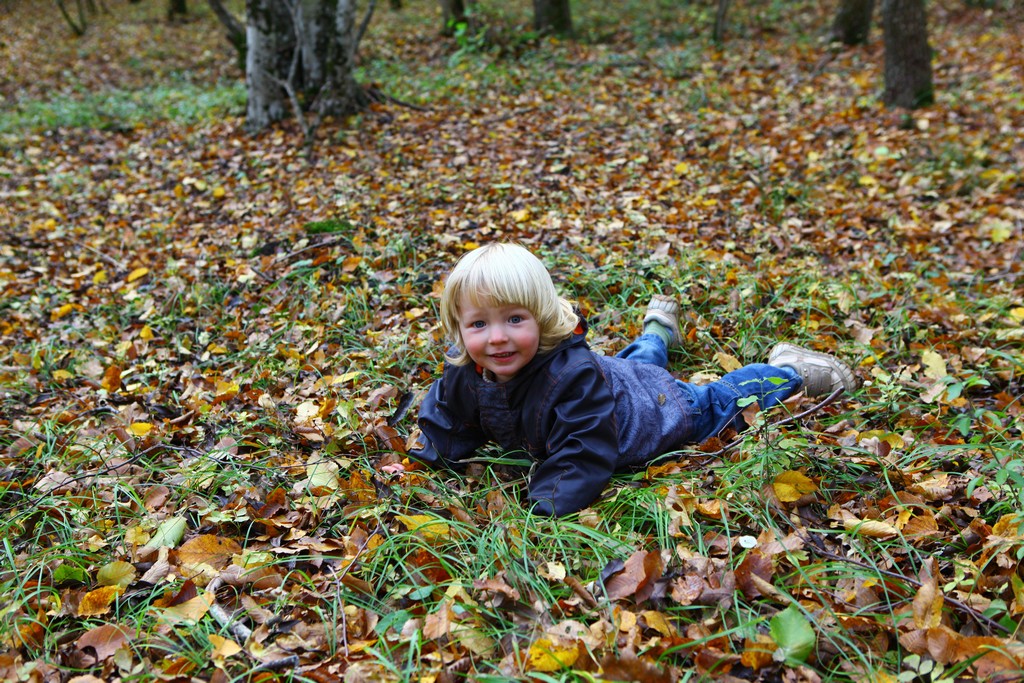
(477, 324)
(515, 319)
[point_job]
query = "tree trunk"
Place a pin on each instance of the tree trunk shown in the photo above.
(853, 21)
(718, 32)
(269, 39)
(453, 13)
(341, 94)
(908, 57)
(552, 16)
(176, 9)
(301, 54)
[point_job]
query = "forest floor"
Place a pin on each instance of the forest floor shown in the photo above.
(213, 345)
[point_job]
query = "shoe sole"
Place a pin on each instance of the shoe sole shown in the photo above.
(847, 377)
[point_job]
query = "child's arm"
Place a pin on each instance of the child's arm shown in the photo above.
(448, 436)
(582, 443)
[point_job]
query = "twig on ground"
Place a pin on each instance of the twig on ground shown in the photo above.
(581, 590)
(237, 628)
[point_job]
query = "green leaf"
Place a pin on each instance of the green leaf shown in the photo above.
(67, 573)
(328, 226)
(794, 636)
(169, 533)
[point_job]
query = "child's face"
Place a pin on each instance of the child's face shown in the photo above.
(502, 339)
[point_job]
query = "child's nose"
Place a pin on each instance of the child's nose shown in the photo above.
(498, 333)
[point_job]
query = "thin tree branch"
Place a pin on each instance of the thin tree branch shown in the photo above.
(236, 29)
(78, 31)
(362, 31)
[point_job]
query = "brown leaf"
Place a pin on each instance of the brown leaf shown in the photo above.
(633, 574)
(754, 566)
(104, 640)
(928, 601)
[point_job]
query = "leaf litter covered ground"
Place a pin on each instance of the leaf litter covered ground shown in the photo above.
(212, 347)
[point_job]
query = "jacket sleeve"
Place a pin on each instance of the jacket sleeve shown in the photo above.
(582, 443)
(448, 436)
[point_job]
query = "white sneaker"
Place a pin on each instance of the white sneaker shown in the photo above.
(822, 373)
(665, 310)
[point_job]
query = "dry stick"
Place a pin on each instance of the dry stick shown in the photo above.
(242, 632)
(114, 264)
(982, 620)
(581, 590)
(237, 628)
(291, 254)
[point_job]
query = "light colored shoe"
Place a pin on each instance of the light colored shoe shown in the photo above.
(822, 373)
(665, 311)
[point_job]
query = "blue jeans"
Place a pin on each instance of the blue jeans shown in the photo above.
(715, 404)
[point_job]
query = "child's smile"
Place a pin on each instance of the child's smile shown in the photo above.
(502, 339)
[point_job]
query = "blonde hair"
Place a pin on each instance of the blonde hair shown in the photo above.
(505, 274)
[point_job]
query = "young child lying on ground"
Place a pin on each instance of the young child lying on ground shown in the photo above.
(521, 374)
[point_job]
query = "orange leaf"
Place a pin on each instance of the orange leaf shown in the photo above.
(98, 602)
(111, 379)
(208, 549)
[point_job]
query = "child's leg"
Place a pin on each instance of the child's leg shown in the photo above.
(716, 404)
(661, 330)
(648, 348)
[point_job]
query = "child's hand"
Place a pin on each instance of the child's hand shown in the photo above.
(395, 468)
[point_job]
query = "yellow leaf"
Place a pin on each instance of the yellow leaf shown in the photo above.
(136, 274)
(146, 333)
(226, 389)
(100, 277)
(430, 528)
(62, 375)
(871, 528)
(867, 180)
(61, 311)
(934, 364)
(97, 602)
(521, 215)
(791, 486)
(188, 611)
(321, 473)
(117, 573)
(223, 647)
(1017, 314)
(219, 192)
(140, 428)
(728, 362)
(546, 656)
(659, 622)
(682, 168)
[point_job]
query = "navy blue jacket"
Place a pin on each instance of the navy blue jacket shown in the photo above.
(583, 416)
